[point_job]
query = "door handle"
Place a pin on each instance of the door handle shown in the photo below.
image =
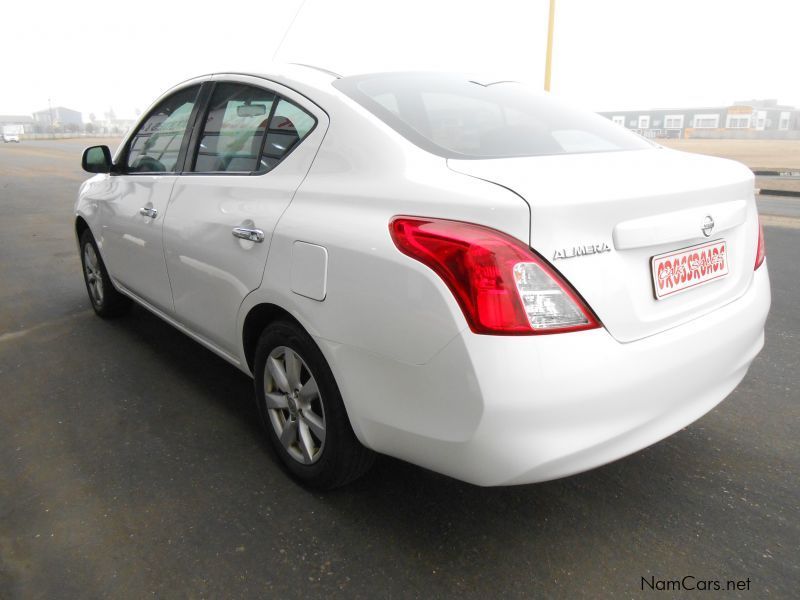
(252, 235)
(148, 212)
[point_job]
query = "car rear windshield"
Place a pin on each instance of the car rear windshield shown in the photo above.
(455, 117)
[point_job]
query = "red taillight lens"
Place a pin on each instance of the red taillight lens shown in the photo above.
(761, 250)
(501, 285)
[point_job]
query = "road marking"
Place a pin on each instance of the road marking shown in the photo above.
(13, 335)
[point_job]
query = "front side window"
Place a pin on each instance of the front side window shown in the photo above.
(155, 146)
(452, 116)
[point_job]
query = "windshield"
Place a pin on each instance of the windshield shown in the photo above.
(454, 117)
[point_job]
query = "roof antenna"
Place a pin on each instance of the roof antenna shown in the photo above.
(285, 33)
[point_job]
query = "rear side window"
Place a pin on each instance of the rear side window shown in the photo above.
(287, 128)
(155, 146)
(454, 117)
(234, 128)
(249, 130)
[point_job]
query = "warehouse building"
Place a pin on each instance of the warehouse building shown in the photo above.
(23, 122)
(59, 118)
(750, 119)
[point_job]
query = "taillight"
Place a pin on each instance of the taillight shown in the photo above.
(502, 286)
(761, 250)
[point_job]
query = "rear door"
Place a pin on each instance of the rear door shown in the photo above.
(251, 150)
(133, 210)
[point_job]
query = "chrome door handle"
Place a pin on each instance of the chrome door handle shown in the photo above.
(253, 235)
(148, 212)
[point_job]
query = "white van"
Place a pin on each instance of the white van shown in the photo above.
(11, 133)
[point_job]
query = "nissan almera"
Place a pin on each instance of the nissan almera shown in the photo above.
(461, 273)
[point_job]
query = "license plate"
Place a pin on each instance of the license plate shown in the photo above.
(681, 270)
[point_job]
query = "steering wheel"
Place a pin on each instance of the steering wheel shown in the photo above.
(145, 164)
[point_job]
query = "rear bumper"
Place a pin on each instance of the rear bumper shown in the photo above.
(510, 410)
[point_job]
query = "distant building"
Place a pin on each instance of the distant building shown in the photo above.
(23, 121)
(112, 126)
(744, 119)
(58, 117)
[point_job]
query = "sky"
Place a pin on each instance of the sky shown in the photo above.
(608, 54)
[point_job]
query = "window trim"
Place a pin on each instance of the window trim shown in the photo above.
(705, 116)
(122, 157)
(194, 142)
(737, 117)
(675, 116)
(761, 120)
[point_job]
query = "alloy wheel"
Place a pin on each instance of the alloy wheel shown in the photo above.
(94, 277)
(294, 405)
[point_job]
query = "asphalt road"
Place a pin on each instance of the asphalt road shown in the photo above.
(132, 465)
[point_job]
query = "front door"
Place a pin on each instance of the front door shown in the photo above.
(252, 150)
(133, 211)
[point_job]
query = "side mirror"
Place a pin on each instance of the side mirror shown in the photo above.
(97, 159)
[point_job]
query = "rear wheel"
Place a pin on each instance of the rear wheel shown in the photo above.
(302, 411)
(106, 300)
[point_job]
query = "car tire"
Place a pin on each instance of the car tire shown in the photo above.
(106, 301)
(302, 411)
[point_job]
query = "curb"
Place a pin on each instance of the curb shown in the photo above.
(790, 193)
(781, 222)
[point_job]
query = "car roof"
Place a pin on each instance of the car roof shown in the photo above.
(306, 78)
(284, 73)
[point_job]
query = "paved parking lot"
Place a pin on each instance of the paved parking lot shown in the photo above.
(131, 464)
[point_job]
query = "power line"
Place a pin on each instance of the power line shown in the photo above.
(285, 33)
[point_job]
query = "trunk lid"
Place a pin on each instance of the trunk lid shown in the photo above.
(599, 219)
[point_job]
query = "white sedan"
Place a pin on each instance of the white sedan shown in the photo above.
(461, 273)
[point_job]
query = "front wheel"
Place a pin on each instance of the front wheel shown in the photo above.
(302, 411)
(106, 300)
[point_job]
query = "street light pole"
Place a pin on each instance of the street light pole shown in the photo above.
(52, 127)
(549, 57)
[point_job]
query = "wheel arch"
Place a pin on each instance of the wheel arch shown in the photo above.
(258, 318)
(80, 226)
